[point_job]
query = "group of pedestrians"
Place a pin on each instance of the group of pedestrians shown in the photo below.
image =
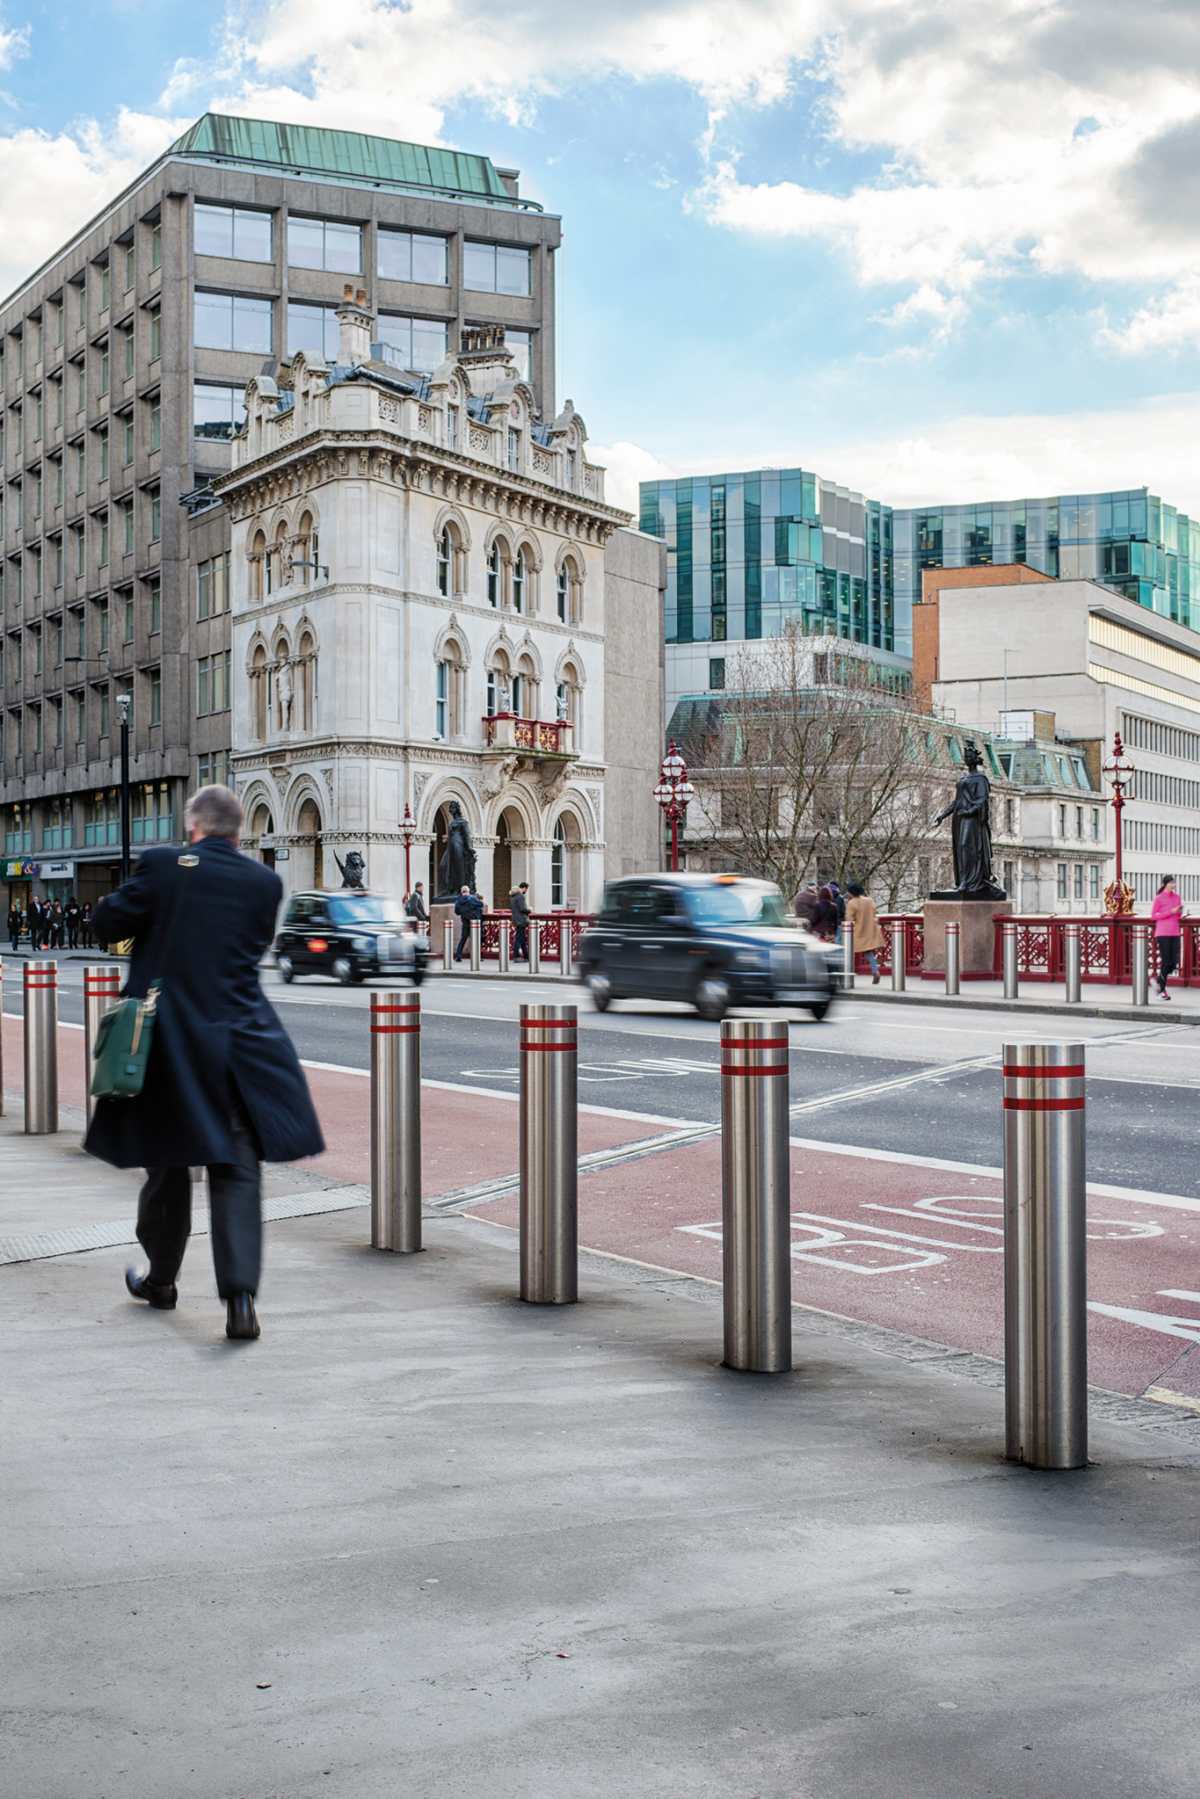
(49, 924)
(824, 910)
(469, 906)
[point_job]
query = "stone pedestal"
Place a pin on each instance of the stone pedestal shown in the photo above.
(438, 913)
(976, 936)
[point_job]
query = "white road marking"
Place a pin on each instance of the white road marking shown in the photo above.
(1165, 1323)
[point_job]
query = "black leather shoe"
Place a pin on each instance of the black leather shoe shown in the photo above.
(240, 1319)
(163, 1299)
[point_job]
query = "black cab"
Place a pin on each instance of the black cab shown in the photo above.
(351, 936)
(714, 940)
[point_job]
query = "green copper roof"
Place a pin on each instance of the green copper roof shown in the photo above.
(312, 149)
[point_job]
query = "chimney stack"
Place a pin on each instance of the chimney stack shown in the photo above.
(355, 324)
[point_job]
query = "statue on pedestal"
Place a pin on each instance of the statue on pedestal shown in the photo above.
(457, 866)
(972, 833)
(353, 870)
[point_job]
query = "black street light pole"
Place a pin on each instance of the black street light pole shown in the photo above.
(124, 702)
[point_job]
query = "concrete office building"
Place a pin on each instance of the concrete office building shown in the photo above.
(1096, 663)
(123, 365)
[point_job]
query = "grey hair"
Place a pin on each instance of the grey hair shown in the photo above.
(214, 812)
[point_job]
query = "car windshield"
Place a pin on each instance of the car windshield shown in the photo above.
(363, 908)
(737, 903)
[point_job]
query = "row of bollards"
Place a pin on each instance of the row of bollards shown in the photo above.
(1139, 947)
(101, 989)
(1045, 1225)
(566, 961)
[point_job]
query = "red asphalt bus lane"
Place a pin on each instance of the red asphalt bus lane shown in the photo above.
(918, 1249)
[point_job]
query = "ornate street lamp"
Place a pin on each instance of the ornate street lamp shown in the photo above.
(673, 792)
(408, 830)
(1118, 897)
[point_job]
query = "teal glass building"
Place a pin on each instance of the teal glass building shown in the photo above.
(1130, 540)
(751, 552)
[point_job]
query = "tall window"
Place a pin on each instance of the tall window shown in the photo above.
(212, 586)
(154, 695)
(558, 865)
(496, 269)
(448, 552)
(324, 244)
(156, 332)
(229, 322)
(307, 698)
(156, 246)
(231, 231)
(103, 381)
(154, 604)
(441, 704)
(258, 692)
(217, 410)
(313, 329)
(418, 344)
(568, 592)
(519, 582)
(155, 408)
(155, 515)
(494, 576)
(514, 449)
(412, 256)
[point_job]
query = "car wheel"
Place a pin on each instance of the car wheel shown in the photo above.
(713, 997)
(418, 973)
(287, 972)
(343, 969)
(820, 1009)
(600, 988)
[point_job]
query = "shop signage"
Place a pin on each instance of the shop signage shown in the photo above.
(58, 871)
(22, 871)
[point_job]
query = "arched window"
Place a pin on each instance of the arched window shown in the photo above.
(283, 710)
(567, 697)
(451, 560)
(525, 689)
(564, 592)
(258, 692)
(569, 591)
(308, 680)
(519, 582)
(258, 565)
(558, 866)
(499, 686)
(306, 548)
(444, 557)
(283, 568)
(448, 691)
(493, 575)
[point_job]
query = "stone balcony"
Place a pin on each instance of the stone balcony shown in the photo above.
(539, 738)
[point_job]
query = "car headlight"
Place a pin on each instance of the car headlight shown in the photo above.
(753, 958)
(362, 944)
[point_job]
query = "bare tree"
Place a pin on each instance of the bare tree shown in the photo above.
(805, 770)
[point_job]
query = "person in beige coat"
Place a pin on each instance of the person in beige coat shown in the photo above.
(868, 938)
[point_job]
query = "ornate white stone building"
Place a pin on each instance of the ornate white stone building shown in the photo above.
(418, 600)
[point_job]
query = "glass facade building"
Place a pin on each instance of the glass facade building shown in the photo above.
(1131, 541)
(749, 553)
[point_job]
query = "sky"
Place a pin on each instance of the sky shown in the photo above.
(933, 251)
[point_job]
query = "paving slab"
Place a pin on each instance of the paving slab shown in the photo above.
(423, 1540)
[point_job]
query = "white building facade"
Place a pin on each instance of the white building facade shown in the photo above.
(418, 581)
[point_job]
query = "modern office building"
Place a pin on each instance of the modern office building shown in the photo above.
(1131, 541)
(754, 553)
(123, 365)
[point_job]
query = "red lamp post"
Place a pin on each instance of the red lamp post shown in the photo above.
(1118, 898)
(408, 830)
(673, 792)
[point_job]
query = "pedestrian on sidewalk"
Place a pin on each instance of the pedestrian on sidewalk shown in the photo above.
(71, 914)
(415, 907)
(224, 1088)
(805, 906)
(518, 906)
(85, 923)
(863, 920)
(825, 919)
(16, 925)
(1166, 912)
(467, 906)
(58, 926)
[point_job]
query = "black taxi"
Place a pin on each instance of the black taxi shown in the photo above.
(713, 940)
(349, 936)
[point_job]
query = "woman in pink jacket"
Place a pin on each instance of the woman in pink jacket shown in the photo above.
(1166, 912)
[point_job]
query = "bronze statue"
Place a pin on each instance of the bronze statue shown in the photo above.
(972, 833)
(353, 870)
(457, 866)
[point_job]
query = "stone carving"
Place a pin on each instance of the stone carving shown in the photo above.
(971, 833)
(499, 775)
(283, 691)
(353, 870)
(481, 441)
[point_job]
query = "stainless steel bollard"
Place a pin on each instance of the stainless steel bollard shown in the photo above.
(476, 945)
(447, 946)
(396, 1121)
(953, 957)
(41, 1048)
(1140, 963)
(564, 947)
(101, 991)
(899, 945)
(756, 1227)
(1, 1040)
(847, 957)
(1072, 962)
(535, 947)
(1012, 978)
(503, 946)
(549, 1161)
(1045, 1255)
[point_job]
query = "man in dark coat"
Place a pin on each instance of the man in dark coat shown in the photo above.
(467, 906)
(72, 917)
(15, 925)
(416, 905)
(518, 906)
(223, 1088)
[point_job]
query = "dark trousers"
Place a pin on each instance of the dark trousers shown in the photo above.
(520, 948)
(164, 1220)
(1168, 960)
(464, 940)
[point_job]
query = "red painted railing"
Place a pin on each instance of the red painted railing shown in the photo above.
(506, 730)
(551, 934)
(1105, 949)
(914, 942)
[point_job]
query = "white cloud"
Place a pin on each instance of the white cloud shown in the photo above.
(14, 44)
(976, 457)
(626, 464)
(1171, 322)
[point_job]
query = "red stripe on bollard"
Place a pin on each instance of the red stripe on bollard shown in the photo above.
(395, 1030)
(376, 1008)
(1068, 1071)
(754, 1043)
(1044, 1105)
(548, 1049)
(549, 1024)
(732, 1068)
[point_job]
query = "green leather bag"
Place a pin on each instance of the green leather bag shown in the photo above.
(122, 1048)
(125, 1034)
